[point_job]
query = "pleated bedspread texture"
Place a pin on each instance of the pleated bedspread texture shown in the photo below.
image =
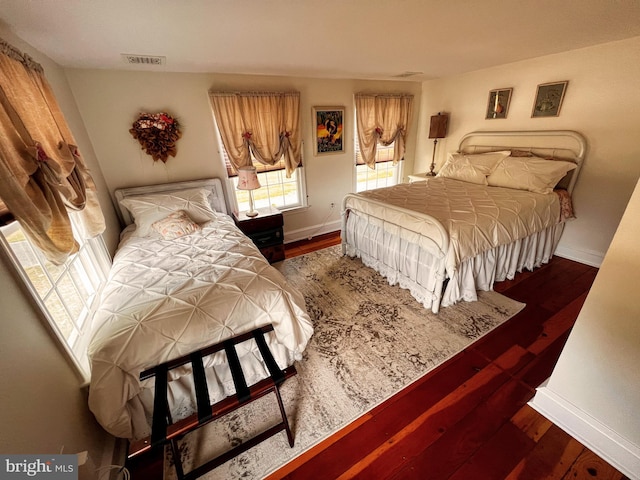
(492, 232)
(167, 298)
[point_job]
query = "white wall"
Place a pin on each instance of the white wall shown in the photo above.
(110, 101)
(602, 102)
(43, 407)
(594, 390)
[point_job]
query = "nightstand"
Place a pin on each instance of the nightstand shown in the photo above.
(265, 231)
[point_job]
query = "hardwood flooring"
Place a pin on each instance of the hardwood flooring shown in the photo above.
(469, 418)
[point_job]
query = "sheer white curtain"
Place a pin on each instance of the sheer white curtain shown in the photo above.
(382, 118)
(266, 125)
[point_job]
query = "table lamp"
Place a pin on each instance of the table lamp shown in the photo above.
(248, 180)
(437, 129)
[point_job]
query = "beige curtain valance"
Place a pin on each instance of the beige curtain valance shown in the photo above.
(42, 174)
(382, 118)
(264, 124)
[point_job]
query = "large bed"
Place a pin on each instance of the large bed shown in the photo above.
(497, 206)
(183, 277)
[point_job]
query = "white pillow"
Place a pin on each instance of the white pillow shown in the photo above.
(534, 174)
(472, 168)
(147, 209)
(174, 225)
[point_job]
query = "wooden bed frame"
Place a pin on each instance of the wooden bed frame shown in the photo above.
(551, 144)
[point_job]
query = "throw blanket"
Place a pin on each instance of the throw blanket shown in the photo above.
(167, 298)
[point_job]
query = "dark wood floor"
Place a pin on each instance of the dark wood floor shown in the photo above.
(469, 418)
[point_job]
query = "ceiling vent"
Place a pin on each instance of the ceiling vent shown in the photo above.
(143, 59)
(407, 74)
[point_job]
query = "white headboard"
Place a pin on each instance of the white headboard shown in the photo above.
(212, 184)
(556, 144)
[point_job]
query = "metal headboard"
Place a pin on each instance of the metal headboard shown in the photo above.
(557, 144)
(214, 185)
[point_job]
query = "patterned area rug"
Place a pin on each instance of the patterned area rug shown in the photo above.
(370, 341)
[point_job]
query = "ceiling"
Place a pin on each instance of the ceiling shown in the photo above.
(358, 39)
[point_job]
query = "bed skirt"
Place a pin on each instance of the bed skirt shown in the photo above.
(405, 260)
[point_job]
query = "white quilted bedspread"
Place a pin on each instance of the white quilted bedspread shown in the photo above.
(167, 298)
(477, 217)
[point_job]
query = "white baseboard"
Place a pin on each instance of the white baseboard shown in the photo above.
(310, 232)
(597, 437)
(591, 258)
(114, 453)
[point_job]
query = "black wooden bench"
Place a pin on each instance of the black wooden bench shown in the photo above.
(164, 431)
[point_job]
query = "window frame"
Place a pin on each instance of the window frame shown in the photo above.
(100, 261)
(301, 188)
(398, 169)
(397, 175)
(262, 170)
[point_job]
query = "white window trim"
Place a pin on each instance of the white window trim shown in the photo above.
(81, 365)
(232, 199)
(398, 168)
(302, 188)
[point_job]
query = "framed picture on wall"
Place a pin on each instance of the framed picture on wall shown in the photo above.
(498, 104)
(328, 130)
(549, 99)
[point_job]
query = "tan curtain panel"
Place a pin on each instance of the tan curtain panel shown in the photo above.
(266, 125)
(385, 119)
(41, 171)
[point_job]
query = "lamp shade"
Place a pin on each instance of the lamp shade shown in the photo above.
(248, 178)
(438, 127)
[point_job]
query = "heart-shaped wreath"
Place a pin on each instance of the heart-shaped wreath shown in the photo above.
(157, 134)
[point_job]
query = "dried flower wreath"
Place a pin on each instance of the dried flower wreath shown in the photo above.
(157, 134)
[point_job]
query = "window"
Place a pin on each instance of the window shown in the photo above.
(386, 173)
(380, 119)
(264, 125)
(66, 293)
(275, 188)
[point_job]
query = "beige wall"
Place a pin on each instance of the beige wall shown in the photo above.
(594, 390)
(43, 407)
(602, 102)
(110, 101)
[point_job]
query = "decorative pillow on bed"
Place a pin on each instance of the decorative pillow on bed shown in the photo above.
(534, 174)
(147, 209)
(472, 168)
(174, 225)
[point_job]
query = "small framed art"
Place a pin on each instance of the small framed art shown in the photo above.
(549, 98)
(498, 104)
(329, 129)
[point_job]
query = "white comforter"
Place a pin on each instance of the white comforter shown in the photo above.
(476, 217)
(166, 298)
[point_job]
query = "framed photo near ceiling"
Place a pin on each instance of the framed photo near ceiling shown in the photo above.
(328, 130)
(498, 104)
(549, 99)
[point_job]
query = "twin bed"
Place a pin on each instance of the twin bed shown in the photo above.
(180, 283)
(185, 277)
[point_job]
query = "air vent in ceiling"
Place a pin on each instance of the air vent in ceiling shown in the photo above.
(143, 59)
(407, 74)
